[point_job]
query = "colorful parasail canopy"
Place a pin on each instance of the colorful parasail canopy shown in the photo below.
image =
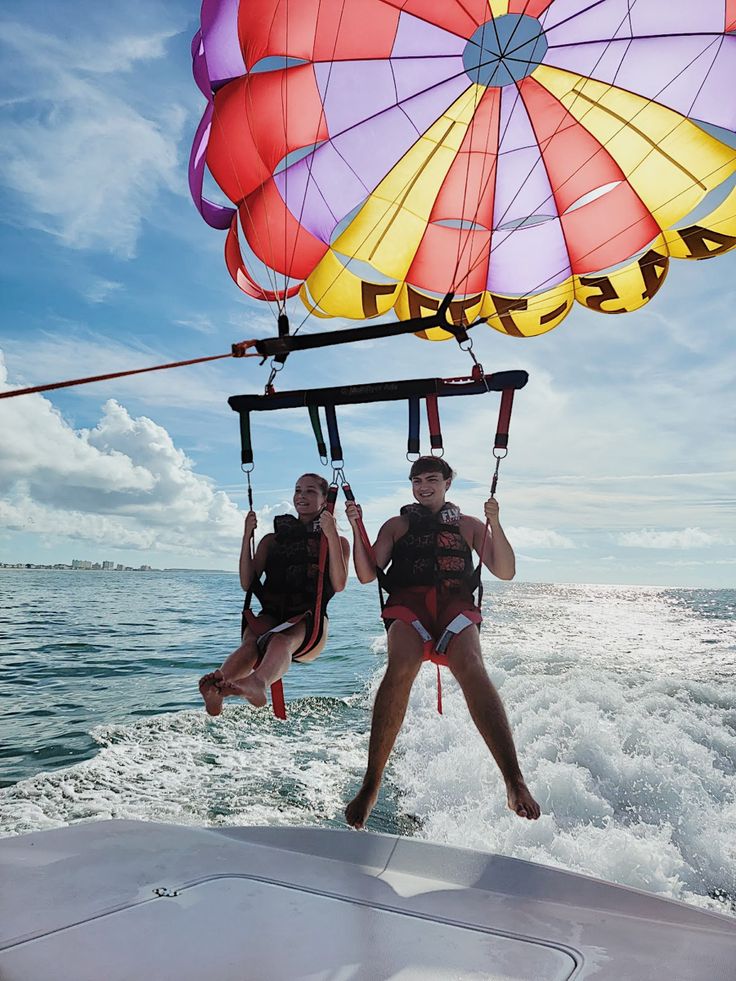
(521, 154)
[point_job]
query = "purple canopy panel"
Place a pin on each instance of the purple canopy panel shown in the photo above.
(352, 91)
(528, 260)
(214, 214)
(522, 185)
(220, 36)
(320, 190)
(416, 38)
(607, 19)
(716, 100)
(688, 74)
(416, 76)
(532, 257)
(326, 185)
(199, 67)
(355, 91)
(427, 107)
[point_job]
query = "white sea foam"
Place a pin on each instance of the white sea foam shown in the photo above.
(243, 768)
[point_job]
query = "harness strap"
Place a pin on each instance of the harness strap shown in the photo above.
(433, 421)
(434, 650)
(412, 443)
(501, 441)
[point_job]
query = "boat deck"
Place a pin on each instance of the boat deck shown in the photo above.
(123, 900)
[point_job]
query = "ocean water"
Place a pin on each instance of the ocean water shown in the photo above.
(622, 700)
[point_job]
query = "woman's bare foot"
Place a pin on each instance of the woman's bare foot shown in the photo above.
(210, 692)
(520, 800)
(360, 807)
(250, 687)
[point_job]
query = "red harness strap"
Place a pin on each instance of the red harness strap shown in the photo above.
(278, 702)
(433, 647)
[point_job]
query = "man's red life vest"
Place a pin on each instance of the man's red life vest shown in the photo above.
(433, 552)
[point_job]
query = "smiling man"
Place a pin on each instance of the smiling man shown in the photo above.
(431, 585)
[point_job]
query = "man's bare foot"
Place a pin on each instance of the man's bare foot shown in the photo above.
(521, 801)
(250, 687)
(360, 807)
(208, 689)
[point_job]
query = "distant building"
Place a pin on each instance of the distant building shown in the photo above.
(108, 565)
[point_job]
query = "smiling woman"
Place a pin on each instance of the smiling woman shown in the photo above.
(305, 564)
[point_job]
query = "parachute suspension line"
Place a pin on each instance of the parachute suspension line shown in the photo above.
(494, 170)
(273, 281)
(585, 161)
(285, 122)
(247, 470)
(500, 452)
(320, 120)
(495, 244)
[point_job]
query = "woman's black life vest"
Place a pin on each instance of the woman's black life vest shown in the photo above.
(292, 569)
(433, 552)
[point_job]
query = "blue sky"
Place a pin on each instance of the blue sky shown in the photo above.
(622, 457)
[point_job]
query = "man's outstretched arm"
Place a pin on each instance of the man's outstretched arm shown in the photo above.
(498, 555)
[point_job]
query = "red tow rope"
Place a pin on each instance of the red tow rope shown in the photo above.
(238, 351)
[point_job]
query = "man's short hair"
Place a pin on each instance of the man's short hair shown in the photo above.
(431, 464)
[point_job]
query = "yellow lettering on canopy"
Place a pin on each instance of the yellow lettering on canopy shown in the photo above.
(339, 292)
(528, 316)
(669, 161)
(712, 235)
(628, 288)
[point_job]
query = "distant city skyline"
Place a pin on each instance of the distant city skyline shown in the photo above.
(87, 565)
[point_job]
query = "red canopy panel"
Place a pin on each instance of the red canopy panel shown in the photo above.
(276, 236)
(249, 137)
(610, 228)
(317, 30)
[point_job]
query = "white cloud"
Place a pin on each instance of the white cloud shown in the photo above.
(199, 322)
(100, 290)
(87, 164)
(682, 539)
(538, 538)
(123, 483)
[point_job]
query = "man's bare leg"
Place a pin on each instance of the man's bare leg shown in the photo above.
(488, 714)
(389, 709)
(276, 661)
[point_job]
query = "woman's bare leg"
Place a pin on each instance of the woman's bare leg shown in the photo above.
(237, 665)
(276, 661)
